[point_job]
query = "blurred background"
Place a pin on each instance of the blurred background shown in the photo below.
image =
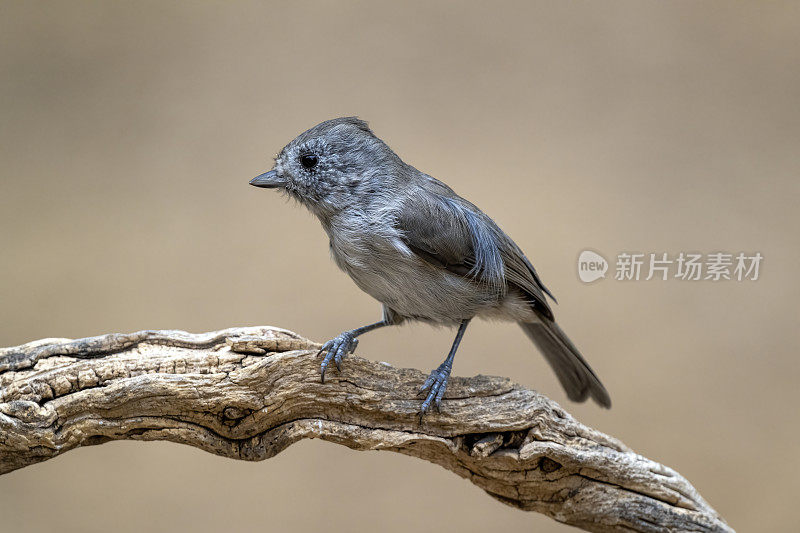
(129, 131)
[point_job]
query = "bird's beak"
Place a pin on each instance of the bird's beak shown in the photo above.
(268, 180)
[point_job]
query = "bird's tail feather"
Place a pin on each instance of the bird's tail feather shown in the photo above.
(572, 370)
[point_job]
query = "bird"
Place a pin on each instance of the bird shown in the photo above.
(421, 250)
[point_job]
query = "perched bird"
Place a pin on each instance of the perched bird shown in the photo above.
(420, 249)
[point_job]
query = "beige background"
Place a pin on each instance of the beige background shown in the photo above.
(128, 133)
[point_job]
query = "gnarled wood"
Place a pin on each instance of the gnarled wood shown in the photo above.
(248, 393)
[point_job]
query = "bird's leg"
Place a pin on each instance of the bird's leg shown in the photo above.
(437, 381)
(343, 344)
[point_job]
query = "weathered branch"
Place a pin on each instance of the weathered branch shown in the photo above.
(248, 393)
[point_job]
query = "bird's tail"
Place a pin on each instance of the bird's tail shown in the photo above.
(574, 373)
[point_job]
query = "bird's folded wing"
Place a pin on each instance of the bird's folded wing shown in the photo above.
(451, 233)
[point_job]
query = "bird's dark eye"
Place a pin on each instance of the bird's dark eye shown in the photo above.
(308, 161)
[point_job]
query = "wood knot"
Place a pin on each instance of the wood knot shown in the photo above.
(231, 415)
(547, 465)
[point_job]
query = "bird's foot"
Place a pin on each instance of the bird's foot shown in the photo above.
(435, 385)
(336, 349)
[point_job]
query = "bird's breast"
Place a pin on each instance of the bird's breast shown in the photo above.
(385, 268)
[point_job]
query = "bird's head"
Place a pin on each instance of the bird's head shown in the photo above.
(328, 167)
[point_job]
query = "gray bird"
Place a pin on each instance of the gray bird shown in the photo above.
(420, 249)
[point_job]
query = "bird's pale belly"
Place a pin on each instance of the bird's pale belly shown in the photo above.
(417, 290)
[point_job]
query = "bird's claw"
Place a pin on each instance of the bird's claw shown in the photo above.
(436, 384)
(335, 350)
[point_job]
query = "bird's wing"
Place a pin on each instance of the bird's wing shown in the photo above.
(448, 232)
(520, 273)
(438, 229)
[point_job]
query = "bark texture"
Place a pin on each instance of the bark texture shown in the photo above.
(248, 393)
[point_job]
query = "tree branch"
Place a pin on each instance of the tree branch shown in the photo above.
(248, 393)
